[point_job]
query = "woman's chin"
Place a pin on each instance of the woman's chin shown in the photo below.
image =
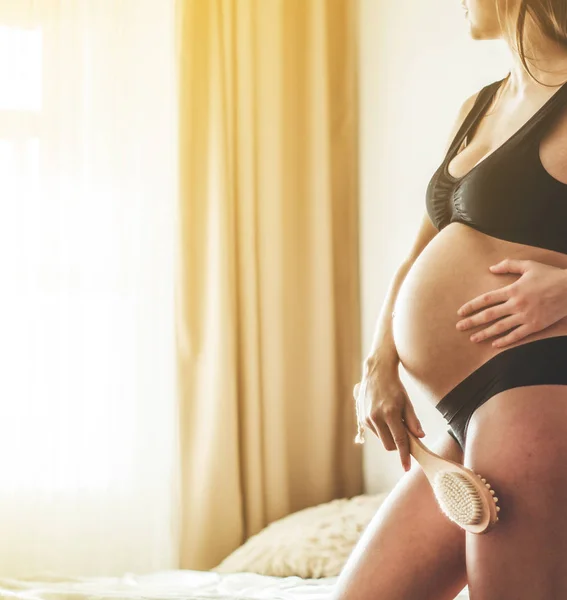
(475, 34)
(478, 33)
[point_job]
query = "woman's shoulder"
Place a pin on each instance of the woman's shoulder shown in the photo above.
(467, 106)
(462, 113)
(470, 102)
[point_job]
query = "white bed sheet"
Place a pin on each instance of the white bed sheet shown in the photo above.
(168, 585)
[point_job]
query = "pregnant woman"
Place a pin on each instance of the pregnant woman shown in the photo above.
(477, 316)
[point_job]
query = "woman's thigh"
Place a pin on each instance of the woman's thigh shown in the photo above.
(410, 549)
(517, 440)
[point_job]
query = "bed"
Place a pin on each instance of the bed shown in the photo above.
(166, 585)
(186, 585)
(297, 557)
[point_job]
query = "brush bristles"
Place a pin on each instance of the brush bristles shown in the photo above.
(458, 498)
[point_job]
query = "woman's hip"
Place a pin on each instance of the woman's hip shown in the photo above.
(537, 362)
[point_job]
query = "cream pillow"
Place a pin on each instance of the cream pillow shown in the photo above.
(311, 543)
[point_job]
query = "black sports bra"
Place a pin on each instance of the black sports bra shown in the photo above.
(508, 194)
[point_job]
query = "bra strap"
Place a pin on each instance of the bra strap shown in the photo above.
(481, 102)
(546, 117)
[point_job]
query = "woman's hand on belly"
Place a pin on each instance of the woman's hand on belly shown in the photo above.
(535, 301)
(385, 408)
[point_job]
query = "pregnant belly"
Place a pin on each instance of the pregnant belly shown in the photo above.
(450, 271)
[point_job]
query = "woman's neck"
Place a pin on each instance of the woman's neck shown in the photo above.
(546, 58)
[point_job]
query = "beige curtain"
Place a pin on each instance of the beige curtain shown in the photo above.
(268, 315)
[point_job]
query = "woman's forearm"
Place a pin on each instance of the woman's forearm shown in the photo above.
(383, 349)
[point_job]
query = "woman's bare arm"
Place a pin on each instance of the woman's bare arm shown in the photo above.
(383, 350)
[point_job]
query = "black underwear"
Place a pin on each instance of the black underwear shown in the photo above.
(541, 362)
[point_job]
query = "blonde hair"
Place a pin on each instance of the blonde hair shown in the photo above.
(551, 18)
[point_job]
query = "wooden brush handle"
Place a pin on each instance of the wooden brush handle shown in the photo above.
(424, 456)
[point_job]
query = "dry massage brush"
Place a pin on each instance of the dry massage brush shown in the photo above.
(463, 495)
